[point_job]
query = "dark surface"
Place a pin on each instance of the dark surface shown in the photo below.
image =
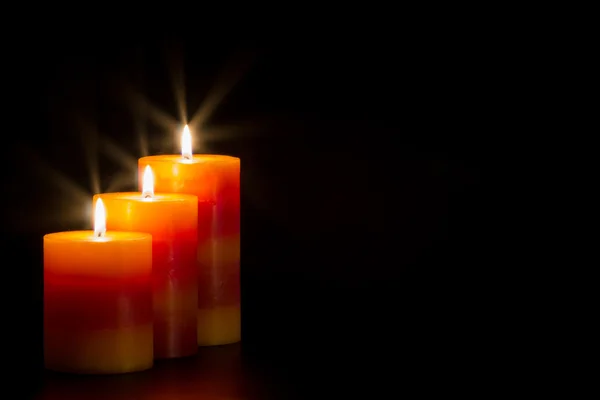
(363, 255)
(215, 373)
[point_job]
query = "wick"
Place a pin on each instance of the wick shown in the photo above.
(100, 234)
(187, 157)
(147, 195)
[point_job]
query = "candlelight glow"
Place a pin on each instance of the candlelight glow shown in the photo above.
(99, 219)
(186, 143)
(148, 183)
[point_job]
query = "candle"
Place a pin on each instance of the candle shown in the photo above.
(215, 180)
(98, 300)
(172, 220)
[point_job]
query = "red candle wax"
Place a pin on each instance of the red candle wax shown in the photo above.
(215, 180)
(98, 302)
(172, 221)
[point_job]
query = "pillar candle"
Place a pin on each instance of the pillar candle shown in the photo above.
(98, 300)
(215, 180)
(172, 220)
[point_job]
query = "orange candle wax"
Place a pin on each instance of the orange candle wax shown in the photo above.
(172, 220)
(98, 301)
(215, 180)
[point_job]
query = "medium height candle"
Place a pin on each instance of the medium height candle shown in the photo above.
(172, 220)
(215, 180)
(98, 300)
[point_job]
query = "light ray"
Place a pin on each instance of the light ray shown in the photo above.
(144, 107)
(175, 62)
(224, 83)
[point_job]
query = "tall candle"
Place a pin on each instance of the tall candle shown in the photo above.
(172, 219)
(98, 300)
(215, 180)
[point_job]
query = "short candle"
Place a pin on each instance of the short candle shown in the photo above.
(215, 180)
(98, 300)
(172, 221)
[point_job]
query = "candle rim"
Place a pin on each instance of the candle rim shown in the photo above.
(156, 197)
(196, 158)
(88, 236)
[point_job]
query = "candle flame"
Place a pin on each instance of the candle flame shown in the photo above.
(186, 143)
(99, 219)
(148, 183)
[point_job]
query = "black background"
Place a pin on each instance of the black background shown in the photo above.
(362, 220)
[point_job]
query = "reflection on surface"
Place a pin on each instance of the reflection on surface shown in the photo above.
(214, 373)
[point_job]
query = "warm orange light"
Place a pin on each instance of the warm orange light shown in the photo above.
(186, 143)
(148, 183)
(100, 219)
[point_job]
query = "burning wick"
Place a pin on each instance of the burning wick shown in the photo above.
(186, 143)
(148, 183)
(99, 219)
